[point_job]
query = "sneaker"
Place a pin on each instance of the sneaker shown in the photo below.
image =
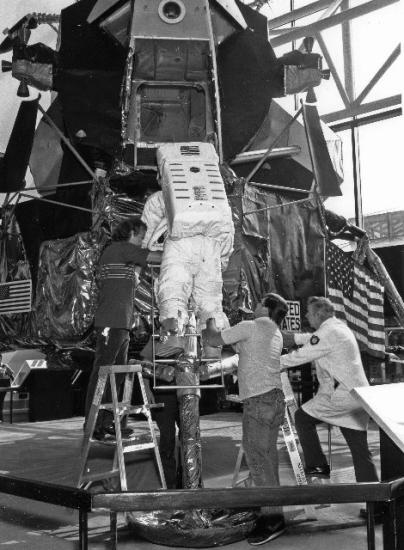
(106, 434)
(103, 437)
(173, 345)
(265, 533)
(318, 471)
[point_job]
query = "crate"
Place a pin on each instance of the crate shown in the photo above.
(22, 369)
(20, 407)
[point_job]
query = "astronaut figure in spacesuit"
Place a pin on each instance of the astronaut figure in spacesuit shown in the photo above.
(193, 212)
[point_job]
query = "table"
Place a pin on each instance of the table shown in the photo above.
(385, 404)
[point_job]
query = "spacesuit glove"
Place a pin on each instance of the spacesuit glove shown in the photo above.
(210, 333)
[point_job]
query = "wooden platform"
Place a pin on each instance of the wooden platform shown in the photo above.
(48, 451)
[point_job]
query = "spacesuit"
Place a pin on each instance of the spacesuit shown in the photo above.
(198, 233)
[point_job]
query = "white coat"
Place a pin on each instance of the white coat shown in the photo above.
(339, 369)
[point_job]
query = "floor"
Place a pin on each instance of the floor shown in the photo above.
(48, 451)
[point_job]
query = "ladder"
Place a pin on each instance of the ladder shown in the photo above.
(291, 439)
(119, 410)
(191, 336)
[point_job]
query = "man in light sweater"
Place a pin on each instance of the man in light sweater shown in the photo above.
(259, 345)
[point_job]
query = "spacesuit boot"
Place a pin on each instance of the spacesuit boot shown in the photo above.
(171, 341)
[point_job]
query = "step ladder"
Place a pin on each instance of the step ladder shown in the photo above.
(119, 410)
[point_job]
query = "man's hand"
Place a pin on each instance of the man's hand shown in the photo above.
(154, 257)
(288, 338)
(211, 335)
(388, 356)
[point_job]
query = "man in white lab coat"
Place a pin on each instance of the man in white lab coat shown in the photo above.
(339, 369)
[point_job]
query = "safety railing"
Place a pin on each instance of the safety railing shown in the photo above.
(391, 493)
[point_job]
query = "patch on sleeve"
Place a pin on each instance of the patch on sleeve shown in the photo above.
(314, 340)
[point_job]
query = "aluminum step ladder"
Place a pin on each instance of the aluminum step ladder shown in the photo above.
(119, 410)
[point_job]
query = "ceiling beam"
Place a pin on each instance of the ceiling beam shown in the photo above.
(332, 21)
(334, 72)
(298, 14)
(386, 65)
(356, 110)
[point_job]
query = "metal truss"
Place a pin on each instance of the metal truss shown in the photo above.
(338, 12)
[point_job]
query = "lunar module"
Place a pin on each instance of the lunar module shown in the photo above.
(165, 109)
(132, 77)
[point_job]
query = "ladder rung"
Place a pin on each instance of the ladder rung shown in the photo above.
(121, 369)
(129, 448)
(99, 476)
(110, 442)
(180, 336)
(131, 409)
(233, 397)
(127, 408)
(121, 405)
(165, 360)
(201, 387)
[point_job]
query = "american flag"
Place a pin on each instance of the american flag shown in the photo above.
(358, 299)
(15, 296)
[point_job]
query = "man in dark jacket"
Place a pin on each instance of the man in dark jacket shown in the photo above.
(118, 275)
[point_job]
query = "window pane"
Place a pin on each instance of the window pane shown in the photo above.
(374, 37)
(381, 150)
(345, 205)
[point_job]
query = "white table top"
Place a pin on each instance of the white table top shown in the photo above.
(385, 404)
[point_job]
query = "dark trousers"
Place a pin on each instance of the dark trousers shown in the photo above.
(109, 350)
(263, 415)
(4, 383)
(167, 419)
(313, 454)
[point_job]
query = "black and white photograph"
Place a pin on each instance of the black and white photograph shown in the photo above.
(201, 274)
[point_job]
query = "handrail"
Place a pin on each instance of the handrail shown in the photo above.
(85, 502)
(248, 497)
(52, 493)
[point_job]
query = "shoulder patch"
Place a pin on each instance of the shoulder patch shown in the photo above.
(314, 340)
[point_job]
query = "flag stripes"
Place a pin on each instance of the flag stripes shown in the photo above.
(15, 296)
(357, 297)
